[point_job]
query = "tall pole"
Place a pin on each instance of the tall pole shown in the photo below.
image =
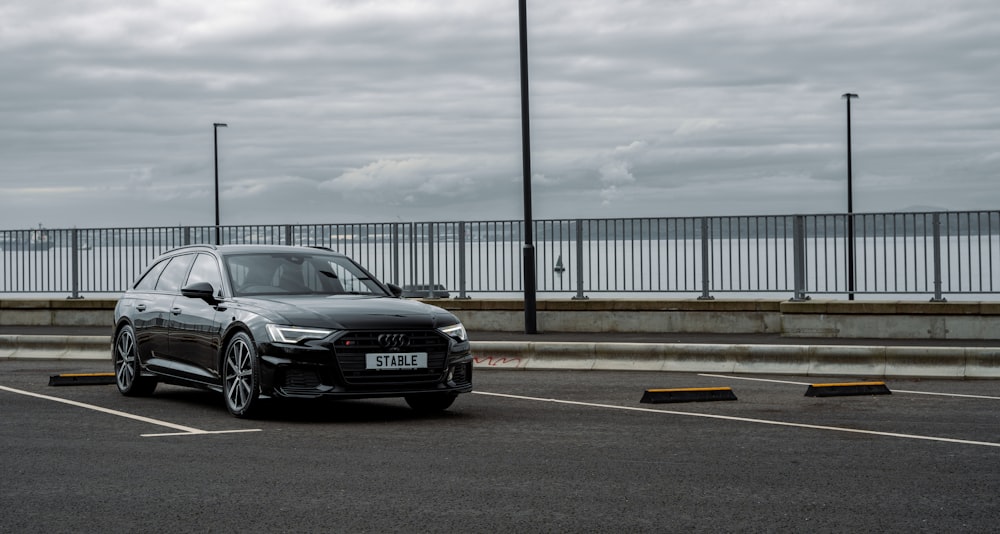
(850, 203)
(215, 138)
(530, 324)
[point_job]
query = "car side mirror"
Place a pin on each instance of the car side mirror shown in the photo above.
(396, 290)
(200, 290)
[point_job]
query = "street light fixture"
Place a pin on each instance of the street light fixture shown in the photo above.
(850, 203)
(215, 136)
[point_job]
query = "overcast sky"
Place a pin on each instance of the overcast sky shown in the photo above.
(380, 111)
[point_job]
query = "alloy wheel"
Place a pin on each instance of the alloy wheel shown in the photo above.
(240, 381)
(128, 375)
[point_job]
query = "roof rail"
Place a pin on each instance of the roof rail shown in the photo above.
(196, 245)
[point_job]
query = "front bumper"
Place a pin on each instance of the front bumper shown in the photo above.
(336, 368)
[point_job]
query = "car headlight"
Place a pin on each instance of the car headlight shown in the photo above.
(455, 331)
(295, 334)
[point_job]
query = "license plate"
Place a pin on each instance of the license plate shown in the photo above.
(396, 360)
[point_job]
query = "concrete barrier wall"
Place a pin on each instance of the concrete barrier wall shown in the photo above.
(832, 319)
(57, 312)
(911, 320)
(799, 360)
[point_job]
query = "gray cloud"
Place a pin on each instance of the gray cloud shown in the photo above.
(343, 111)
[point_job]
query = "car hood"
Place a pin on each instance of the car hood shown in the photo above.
(350, 312)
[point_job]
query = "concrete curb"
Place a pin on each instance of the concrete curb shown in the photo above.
(801, 360)
(45, 347)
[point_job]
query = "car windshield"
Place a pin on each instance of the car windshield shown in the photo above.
(296, 273)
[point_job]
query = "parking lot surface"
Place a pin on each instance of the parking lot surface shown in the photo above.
(529, 451)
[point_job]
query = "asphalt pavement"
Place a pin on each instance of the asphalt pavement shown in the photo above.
(547, 451)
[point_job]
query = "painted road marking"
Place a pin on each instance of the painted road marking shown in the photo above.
(184, 430)
(200, 432)
(960, 395)
(746, 420)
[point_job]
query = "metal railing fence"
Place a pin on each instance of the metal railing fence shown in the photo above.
(932, 254)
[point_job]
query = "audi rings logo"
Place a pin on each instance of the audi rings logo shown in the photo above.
(394, 341)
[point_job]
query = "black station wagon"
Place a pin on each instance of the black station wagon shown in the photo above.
(256, 322)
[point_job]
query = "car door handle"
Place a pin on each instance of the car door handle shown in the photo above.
(140, 307)
(175, 311)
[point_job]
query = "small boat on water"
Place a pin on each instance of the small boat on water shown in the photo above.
(26, 240)
(559, 268)
(38, 240)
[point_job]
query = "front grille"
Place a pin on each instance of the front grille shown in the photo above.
(351, 349)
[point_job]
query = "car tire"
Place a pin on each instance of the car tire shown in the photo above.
(128, 371)
(431, 403)
(241, 376)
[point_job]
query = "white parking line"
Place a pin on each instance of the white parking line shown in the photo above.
(728, 377)
(746, 420)
(184, 430)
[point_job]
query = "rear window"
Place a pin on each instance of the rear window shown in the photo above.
(148, 281)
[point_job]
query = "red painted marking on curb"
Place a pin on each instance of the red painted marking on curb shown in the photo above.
(496, 361)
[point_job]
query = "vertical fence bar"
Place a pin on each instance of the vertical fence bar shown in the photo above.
(413, 252)
(75, 260)
(430, 278)
(868, 263)
(799, 258)
(394, 253)
(461, 261)
(936, 223)
(706, 282)
(851, 272)
(579, 261)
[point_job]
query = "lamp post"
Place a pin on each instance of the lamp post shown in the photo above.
(215, 137)
(850, 203)
(530, 324)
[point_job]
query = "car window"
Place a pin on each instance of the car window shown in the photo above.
(148, 281)
(174, 273)
(297, 274)
(205, 269)
(347, 276)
